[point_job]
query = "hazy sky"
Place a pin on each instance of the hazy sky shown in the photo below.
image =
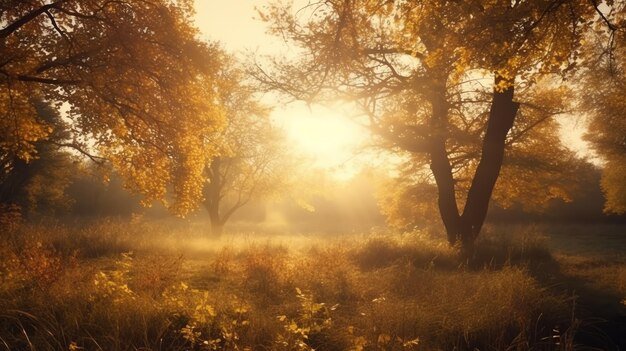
(232, 22)
(323, 134)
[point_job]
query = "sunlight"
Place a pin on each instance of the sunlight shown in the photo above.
(380, 175)
(322, 135)
(235, 24)
(325, 136)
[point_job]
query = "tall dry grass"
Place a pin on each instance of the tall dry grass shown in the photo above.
(116, 286)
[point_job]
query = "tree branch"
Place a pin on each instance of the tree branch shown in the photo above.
(232, 210)
(52, 81)
(56, 27)
(10, 29)
(611, 26)
(62, 62)
(384, 51)
(96, 159)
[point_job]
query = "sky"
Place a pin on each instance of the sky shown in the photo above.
(326, 135)
(233, 22)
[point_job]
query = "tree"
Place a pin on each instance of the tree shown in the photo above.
(99, 192)
(39, 185)
(138, 83)
(603, 92)
(251, 163)
(452, 85)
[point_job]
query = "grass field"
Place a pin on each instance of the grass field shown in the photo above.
(116, 285)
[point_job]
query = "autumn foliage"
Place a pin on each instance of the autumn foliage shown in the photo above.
(136, 82)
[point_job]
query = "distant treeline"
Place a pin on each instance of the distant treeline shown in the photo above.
(586, 206)
(352, 206)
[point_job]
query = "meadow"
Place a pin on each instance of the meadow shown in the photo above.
(159, 285)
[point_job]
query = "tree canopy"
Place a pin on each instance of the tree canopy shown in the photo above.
(137, 83)
(465, 92)
(38, 186)
(453, 85)
(603, 92)
(252, 160)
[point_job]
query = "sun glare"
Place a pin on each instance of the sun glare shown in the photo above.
(324, 135)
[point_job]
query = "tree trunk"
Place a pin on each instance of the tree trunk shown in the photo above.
(442, 170)
(440, 165)
(213, 197)
(13, 183)
(501, 117)
(216, 228)
(466, 227)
